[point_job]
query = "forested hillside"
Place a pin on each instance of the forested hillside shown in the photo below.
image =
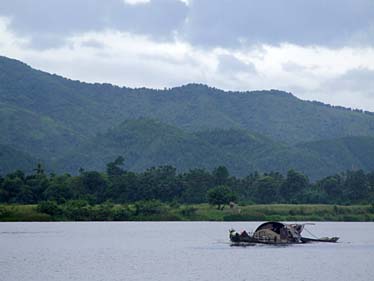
(146, 143)
(70, 125)
(11, 160)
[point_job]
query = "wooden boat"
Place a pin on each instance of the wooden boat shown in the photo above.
(323, 239)
(275, 233)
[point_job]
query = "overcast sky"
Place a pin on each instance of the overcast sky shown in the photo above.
(318, 50)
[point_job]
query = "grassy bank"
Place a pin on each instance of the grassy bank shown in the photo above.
(200, 212)
(22, 213)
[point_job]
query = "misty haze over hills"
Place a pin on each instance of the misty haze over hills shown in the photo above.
(70, 125)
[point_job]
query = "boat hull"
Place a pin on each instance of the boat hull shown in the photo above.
(324, 239)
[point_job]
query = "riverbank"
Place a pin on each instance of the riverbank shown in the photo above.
(146, 211)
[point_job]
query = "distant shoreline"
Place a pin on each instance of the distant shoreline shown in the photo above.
(183, 212)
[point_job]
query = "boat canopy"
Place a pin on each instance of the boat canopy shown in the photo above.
(272, 225)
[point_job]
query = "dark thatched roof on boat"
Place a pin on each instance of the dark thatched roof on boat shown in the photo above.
(274, 226)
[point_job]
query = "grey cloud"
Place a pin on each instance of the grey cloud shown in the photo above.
(353, 89)
(48, 21)
(302, 22)
(230, 64)
(359, 80)
(93, 44)
(295, 67)
(206, 23)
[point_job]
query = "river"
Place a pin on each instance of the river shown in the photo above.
(177, 251)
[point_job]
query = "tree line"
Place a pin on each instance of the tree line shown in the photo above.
(163, 183)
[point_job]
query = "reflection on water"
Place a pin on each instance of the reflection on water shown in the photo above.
(177, 251)
(26, 232)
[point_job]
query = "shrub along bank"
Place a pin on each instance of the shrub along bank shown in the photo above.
(153, 210)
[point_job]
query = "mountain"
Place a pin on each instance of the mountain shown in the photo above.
(86, 109)
(64, 122)
(145, 143)
(11, 160)
(348, 153)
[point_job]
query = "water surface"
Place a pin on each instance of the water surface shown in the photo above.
(177, 251)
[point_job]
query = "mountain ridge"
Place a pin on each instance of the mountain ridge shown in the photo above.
(50, 117)
(191, 84)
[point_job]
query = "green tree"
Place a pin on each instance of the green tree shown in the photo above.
(11, 188)
(220, 196)
(370, 177)
(122, 188)
(356, 186)
(266, 189)
(221, 175)
(58, 192)
(294, 186)
(148, 207)
(332, 186)
(94, 184)
(195, 185)
(158, 183)
(114, 168)
(49, 207)
(25, 195)
(38, 184)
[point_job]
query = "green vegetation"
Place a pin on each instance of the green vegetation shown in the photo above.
(172, 142)
(70, 125)
(146, 143)
(16, 212)
(161, 194)
(165, 185)
(157, 211)
(12, 159)
(220, 196)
